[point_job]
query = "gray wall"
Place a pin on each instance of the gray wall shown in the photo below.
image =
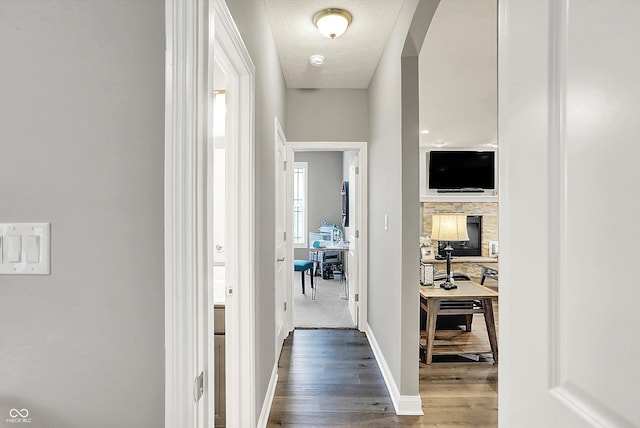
(393, 190)
(251, 18)
(82, 146)
(327, 115)
(385, 197)
(324, 184)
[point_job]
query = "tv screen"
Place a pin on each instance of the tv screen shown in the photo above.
(461, 170)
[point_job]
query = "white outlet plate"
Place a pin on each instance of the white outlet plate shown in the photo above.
(32, 246)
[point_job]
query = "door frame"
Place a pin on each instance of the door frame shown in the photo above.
(363, 256)
(240, 220)
(191, 28)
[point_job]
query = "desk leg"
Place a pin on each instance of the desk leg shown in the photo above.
(432, 316)
(487, 304)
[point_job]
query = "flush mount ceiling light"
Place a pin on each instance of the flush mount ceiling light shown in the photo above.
(332, 23)
(316, 60)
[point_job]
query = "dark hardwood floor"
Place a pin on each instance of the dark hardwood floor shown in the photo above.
(329, 378)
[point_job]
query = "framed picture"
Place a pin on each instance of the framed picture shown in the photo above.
(493, 248)
(427, 253)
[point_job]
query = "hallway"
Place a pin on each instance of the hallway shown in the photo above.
(330, 378)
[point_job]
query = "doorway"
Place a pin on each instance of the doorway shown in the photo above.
(230, 225)
(348, 282)
(320, 219)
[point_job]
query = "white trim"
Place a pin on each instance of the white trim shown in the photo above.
(188, 318)
(363, 256)
(505, 148)
(268, 399)
(233, 57)
(404, 404)
(457, 197)
(557, 188)
(185, 274)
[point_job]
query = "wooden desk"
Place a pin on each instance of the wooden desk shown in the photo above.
(473, 298)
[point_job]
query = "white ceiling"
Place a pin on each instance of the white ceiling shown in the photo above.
(350, 60)
(458, 75)
(458, 61)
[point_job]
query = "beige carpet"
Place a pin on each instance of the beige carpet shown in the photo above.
(328, 310)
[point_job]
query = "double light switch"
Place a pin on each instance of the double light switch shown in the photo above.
(24, 248)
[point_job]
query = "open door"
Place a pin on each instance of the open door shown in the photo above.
(353, 236)
(354, 172)
(283, 265)
(568, 109)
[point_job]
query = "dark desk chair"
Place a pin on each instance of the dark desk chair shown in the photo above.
(488, 272)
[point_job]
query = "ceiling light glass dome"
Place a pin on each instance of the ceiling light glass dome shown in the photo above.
(332, 23)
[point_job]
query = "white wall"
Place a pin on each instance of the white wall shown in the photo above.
(82, 146)
(327, 114)
(251, 19)
(324, 185)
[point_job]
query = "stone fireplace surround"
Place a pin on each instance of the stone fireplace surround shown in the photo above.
(488, 211)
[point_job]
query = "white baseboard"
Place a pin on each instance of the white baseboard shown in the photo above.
(409, 405)
(268, 398)
(404, 404)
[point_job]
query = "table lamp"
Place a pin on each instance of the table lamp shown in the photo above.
(447, 228)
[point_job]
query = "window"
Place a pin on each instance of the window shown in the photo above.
(300, 204)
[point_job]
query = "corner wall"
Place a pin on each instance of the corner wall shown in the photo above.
(393, 187)
(385, 199)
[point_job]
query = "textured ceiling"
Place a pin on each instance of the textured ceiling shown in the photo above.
(350, 60)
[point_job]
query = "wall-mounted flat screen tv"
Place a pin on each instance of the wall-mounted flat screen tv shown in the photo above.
(461, 170)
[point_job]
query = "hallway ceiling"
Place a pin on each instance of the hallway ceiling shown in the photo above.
(458, 61)
(350, 60)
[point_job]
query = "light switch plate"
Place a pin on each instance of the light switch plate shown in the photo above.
(32, 244)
